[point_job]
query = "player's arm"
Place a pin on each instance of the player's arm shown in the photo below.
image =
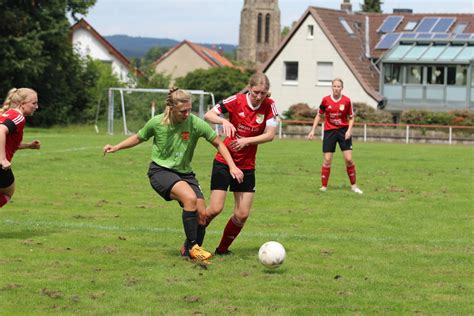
(316, 121)
(235, 172)
(349, 129)
(267, 136)
(36, 144)
(213, 116)
(127, 143)
(5, 164)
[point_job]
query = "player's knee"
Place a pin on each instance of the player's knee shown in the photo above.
(189, 202)
(349, 163)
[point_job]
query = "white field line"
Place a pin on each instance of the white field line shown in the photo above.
(81, 226)
(45, 152)
(274, 236)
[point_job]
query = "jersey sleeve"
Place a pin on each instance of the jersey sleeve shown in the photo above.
(205, 130)
(350, 111)
(322, 107)
(226, 105)
(10, 125)
(272, 115)
(147, 131)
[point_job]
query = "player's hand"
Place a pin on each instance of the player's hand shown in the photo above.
(36, 144)
(5, 164)
(109, 149)
(229, 129)
(310, 135)
(348, 135)
(236, 174)
(238, 144)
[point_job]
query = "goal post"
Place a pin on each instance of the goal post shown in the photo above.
(124, 107)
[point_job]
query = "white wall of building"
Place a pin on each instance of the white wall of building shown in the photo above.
(308, 51)
(88, 45)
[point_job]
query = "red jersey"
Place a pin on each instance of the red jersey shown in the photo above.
(249, 121)
(15, 121)
(336, 112)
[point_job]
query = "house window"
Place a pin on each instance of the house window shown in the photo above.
(324, 72)
(460, 28)
(457, 75)
(291, 70)
(259, 28)
(410, 26)
(346, 26)
(392, 73)
(267, 28)
(435, 75)
(310, 31)
(414, 74)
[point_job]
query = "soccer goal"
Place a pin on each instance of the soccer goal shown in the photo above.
(138, 105)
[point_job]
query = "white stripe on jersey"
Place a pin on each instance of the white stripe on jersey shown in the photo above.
(17, 120)
(229, 99)
(273, 122)
(274, 109)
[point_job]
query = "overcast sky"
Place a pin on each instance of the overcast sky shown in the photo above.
(217, 21)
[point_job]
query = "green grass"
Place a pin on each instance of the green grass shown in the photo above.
(86, 234)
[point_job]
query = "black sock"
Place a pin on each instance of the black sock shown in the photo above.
(201, 232)
(190, 225)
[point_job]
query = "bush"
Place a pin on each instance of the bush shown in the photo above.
(367, 114)
(455, 117)
(300, 111)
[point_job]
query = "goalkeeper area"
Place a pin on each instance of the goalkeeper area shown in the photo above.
(128, 109)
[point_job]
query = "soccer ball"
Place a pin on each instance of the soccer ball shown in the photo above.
(271, 254)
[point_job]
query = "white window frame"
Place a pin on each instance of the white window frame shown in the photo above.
(324, 73)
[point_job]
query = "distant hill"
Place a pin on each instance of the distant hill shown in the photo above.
(132, 46)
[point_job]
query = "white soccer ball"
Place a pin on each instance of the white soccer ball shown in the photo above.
(271, 254)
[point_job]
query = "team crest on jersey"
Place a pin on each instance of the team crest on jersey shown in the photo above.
(260, 118)
(185, 135)
(341, 107)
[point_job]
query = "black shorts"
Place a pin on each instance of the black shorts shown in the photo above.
(6, 178)
(334, 136)
(222, 180)
(162, 181)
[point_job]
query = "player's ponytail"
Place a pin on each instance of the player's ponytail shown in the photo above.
(15, 97)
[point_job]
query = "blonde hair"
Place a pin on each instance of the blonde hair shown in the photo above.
(175, 97)
(15, 97)
(260, 78)
(338, 79)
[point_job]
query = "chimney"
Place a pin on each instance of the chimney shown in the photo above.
(402, 10)
(346, 6)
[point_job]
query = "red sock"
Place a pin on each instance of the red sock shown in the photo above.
(351, 172)
(325, 171)
(4, 199)
(231, 231)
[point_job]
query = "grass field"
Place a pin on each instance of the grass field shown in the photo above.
(86, 234)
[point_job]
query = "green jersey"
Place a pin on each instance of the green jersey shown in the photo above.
(173, 145)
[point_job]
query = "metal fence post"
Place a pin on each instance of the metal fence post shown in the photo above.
(365, 133)
(408, 134)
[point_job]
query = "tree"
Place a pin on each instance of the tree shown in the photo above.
(222, 82)
(372, 6)
(37, 52)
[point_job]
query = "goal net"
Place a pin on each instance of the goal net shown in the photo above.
(128, 109)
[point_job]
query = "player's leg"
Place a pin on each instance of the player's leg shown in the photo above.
(329, 147)
(7, 186)
(182, 192)
(243, 204)
(243, 199)
(346, 148)
(220, 181)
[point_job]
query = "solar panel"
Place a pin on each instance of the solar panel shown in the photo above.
(390, 24)
(426, 24)
(424, 35)
(410, 26)
(441, 36)
(388, 41)
(462, 36)
(443, 25)
(408, 35)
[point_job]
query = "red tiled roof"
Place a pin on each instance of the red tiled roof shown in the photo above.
(211, 56)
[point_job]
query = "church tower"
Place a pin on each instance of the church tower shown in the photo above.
(260, 32)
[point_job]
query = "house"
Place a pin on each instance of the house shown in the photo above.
(186, 57)
(88, 42)
(327, 43)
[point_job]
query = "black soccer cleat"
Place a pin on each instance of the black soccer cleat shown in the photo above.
(223, 253)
